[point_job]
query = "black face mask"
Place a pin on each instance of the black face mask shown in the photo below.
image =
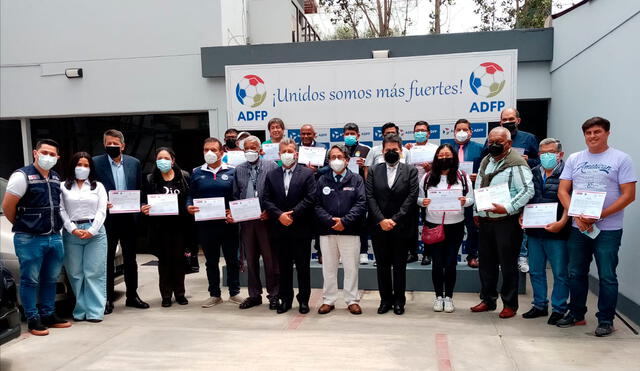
(231, 143)
(496, 149)
(511, 126)
(391, 157)
(445, 163)
(113, 151)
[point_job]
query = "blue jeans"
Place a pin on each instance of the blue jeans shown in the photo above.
(555, 251)
(524, 251)
(86, 264)
(40, 260)
(605, 249)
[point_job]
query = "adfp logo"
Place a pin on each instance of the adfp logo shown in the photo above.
(487, 80)
(250, 91)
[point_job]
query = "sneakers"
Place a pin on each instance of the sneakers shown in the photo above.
(212, 301)
(364, 259)
(438, 304)
(569, 321)
(53, 321)
(523, 264)
(236, 299)
(554, 318)
(37, 328)
(604, 329)
(448, 305)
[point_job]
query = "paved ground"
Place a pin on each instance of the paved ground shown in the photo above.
(224, 337)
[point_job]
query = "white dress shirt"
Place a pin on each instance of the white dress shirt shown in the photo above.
(83, 204)
(391, 174)
(288, 173)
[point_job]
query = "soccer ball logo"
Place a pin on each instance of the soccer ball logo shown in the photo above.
(250, 91)
(487, 80)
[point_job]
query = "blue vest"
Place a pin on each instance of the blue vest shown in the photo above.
(38, 211)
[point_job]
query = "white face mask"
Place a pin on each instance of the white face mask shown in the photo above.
(82, 173)
(287, 159)
(210, 157)
(47, 162)
(337, 165)
(462, 135)
(251, 156)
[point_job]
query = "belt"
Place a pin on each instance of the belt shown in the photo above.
(498, 219)
(83, 221)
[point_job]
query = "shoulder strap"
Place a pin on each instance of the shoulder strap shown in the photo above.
(462, 176)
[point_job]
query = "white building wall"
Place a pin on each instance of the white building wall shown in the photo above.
(594, 73)
(264, 29)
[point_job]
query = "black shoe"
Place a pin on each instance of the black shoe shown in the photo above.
(37, 328)
(136, 302)
(425, 260)
(94, 320)
(535, 313)
(384, 308)
(554, 318)
(604, 329)
(569, 321)
(283, 307)
(53, 321)
(182, 300)
(108, 308)
(412, 258)
(304, 308)
(273, 303)
(166, 302)
(398, 309)
(251, 302)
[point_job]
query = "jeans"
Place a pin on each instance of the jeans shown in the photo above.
(213, 235)
(40, 260)
(86, 264)
(555, 251)
(524, 251)
(605, 249)
(472, 234)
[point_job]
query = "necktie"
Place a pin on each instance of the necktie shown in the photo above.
(461, 153)
(338, 177)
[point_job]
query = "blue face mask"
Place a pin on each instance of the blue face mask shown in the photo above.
(548, 160)
(350, 140)
(163, 165)
(421, 136)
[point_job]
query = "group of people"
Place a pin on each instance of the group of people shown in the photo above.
(337, 208)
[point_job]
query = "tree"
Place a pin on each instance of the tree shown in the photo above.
(435, 19)
(509, 14)
(370, 18)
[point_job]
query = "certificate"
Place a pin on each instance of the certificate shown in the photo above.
(163, 204)
(271, 151)
(444, 199)
(353, 165)
(519, 150)
(210, 208)
(539, 215)
(235, 158)
(422, 154)
(124, 202)
(486, 197)
(467, 167)
(311, 155)
(586, 203)
(247, 209)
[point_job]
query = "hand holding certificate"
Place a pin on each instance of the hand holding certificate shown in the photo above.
(124, 202)
(444, 199)
(311, 155)
(586, 203)
(422, 154)
(487, 196)
(247, 209)
(163, 204)
(539, 215)
(210, 208)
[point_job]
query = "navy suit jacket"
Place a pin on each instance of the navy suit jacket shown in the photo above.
(132, 172)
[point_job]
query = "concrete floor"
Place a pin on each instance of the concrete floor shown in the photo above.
(224, 337)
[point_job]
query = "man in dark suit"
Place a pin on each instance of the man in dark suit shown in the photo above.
(289, 197)
(392, 193)
(117, 171)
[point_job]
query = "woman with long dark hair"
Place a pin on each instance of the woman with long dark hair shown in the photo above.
(166, 231)
(83, 210)
(444, 174)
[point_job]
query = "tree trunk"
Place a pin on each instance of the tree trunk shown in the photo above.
(436, 17)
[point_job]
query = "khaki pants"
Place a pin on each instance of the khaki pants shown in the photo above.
(333, 248)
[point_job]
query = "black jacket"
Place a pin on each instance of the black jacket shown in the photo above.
(345, 200)
(546, 192)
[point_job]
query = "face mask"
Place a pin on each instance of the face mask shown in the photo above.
(287, 159)
(496, 149)
(163, 165)
(511, 126)
(231, 143)
(251, 156)
(337, 165)
(462, 136)
(445, 163)
(113, 151)
(47, 162)
(391, 157)
(210, 157)
(420, 136)
(548, 160)
(82, 172)
(350, 140)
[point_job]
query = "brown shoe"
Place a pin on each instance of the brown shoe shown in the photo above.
(355, 309)
(326, 308)
(473, 263)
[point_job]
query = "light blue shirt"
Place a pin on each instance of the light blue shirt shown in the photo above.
(119, 178)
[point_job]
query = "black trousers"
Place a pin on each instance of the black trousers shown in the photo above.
(472, 234)
(122, 228)
(293, 249)
(213, 235)
(170, 250)
(390, 249)
(498, 252)
(445, 259)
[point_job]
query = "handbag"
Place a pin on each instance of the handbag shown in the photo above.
(433, 235)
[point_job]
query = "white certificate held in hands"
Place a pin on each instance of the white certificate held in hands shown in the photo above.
(422, 154)
(586, 203)
(210, 208)
(497, 194)
(271, 151)
(247, 209)
(444, 199)
(353, 165)
(235, 158)
(311, 155)
(539, 215)
(124, 202)
(519, 150)
(163, 204)
(467, 167)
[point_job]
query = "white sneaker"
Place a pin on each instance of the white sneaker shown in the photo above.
(523, 264)
(364, 259)
(212, 301)
(236, 299)
(448, 305)
(438, 304)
